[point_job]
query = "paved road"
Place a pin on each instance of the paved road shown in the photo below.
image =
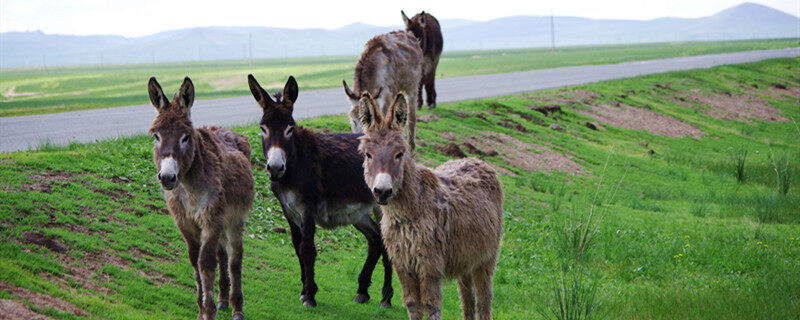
(24, 132)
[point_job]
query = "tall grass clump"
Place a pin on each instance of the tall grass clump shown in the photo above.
(574, 298)
(781, 164)
(739, 160)
(575, 232)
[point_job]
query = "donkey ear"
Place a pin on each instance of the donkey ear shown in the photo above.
(398, 111)
(185, 96)
(290, 91)
(422, 20)
(368, 112)
(406, 20)
(261, 95)
(350, 94)
(157, 97)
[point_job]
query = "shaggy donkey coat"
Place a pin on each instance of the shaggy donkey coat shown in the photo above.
(426, 28)
(208, 187)
(391, 63)
(317, 178)
(437, 223)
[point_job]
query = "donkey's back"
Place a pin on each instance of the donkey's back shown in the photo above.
(228, 139)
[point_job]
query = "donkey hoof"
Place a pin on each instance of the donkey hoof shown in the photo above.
(222, 305)
(238, 316)
(386, 304)
(431, 106)
(309, 303)
(302, 297)
(361, 298)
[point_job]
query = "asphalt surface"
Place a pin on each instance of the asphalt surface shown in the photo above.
(28, 132)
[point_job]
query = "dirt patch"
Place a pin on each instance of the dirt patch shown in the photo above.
(156, 209)
(10, 94)
(228, 83)
(42, 182)
(451, 150)
(115, 194)
(42, 300)
(425, 118)
(15, 310)
(565, 97)
(513, 125)
(40, 239)
(528, 157)
(793, 92)
(548, 109)
(642, 119)
(734, 107)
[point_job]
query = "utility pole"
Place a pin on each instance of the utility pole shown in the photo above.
(552, 33)
(250, 48)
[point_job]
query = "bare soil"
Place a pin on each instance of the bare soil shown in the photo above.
(735, 107)
(15, 310)
(41, 300)
(642, 119)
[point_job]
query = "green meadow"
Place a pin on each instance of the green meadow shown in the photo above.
(58, 89)
(695, 214)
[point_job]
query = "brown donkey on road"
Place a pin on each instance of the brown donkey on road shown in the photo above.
(318, 180)
(437, 223)
(426, 28)
(390, 63)
(208, 187)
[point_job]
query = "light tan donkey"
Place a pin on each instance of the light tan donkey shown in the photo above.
(437, 223)
(208, 187)
(391, 63)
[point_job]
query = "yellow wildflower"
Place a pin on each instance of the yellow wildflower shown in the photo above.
(680, 254)
(686, 236)
(765, 246)
(686, 245)
(675, 256)
(791, 239)
(758, 242)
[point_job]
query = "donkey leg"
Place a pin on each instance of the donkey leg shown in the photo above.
(483, 289)
(235, 253)
(297, 239)
(370, 231)
(387, 291)
(309, 255)
(208, 265)
(467, 293)
(430, 90)
(194, 252)
(419, 96)
(411, 295)
(431, 293)
(224, 279)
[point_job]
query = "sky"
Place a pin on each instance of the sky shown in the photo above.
(133, 18)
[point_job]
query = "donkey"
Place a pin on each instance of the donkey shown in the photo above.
(392, 61)
(426, 28)
(437, 223)
(317, 179)
(208, 187)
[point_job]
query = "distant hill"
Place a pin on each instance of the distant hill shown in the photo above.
(745, 21)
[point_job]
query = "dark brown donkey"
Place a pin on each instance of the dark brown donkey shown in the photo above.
(318, 180)
(426, 28)
(208, 186)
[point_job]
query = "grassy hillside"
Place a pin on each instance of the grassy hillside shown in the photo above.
(36, 91)
(674, 234)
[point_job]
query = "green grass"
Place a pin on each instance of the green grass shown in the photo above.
(680, 239)
(59, 89)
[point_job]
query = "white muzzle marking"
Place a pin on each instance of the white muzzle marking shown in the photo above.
(276, 157)
(169, 167)
(383, 181)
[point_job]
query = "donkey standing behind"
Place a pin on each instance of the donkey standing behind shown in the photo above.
(317, 179)
(208, 187)
(440, 223)
(426, 28)
(390, 61)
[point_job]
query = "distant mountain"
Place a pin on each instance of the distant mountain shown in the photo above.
(745, 21)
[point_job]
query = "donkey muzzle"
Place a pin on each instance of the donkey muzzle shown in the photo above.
(276, 163)
(382, 189)
(168, 173)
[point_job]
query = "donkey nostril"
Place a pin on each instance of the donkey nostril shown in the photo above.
(173, 179)
(283, 167)
(159, 176)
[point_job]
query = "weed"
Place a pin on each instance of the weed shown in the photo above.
(739, 160)
(783, 173)
(575, 298)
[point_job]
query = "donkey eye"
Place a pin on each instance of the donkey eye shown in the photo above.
(398, 156)
(369, 156)
(157, 137)
(185, 139)
(289, 131)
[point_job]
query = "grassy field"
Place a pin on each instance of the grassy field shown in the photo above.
(58, 89)
(675, 232)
